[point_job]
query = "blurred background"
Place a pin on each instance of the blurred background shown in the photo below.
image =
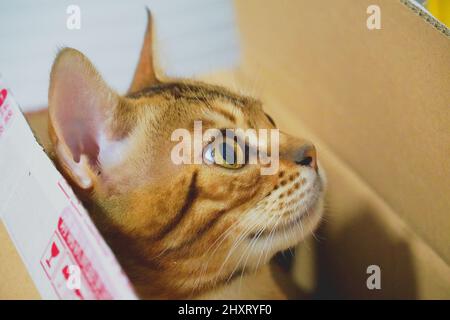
(194, 37)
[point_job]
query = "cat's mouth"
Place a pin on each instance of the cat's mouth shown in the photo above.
(299, 221)
(283, 227)
(286, 227)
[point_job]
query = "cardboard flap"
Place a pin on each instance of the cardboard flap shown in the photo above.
(64, 253)
(378, 98)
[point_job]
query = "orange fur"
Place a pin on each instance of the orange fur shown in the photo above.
(184, 231)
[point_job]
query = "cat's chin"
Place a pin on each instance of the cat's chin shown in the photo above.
(301, 224)
(289, 235)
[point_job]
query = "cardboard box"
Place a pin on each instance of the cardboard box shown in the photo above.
(377, 104)
(61, 248)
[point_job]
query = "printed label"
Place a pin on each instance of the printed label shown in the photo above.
(63, 253)
(6, 112)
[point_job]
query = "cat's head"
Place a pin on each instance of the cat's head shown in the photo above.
(178, 229)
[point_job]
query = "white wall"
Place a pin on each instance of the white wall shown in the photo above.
(194, 36)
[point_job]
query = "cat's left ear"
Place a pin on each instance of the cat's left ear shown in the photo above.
(145, 74)
(83, 118)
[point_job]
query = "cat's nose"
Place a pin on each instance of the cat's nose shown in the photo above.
(306, 156)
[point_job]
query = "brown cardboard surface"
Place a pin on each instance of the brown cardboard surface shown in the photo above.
(362, 230)
(15, 281)
(359, 229)
(380, 99)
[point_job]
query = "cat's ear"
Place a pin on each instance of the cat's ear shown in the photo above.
(81, 110)
(145, 75)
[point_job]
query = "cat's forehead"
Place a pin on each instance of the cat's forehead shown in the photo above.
(197, 99)
(196, 91)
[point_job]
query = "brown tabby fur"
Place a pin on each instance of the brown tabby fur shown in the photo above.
(171, 226)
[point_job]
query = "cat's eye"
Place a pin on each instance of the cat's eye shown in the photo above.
(228, 154)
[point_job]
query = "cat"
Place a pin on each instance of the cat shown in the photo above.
(179, 231)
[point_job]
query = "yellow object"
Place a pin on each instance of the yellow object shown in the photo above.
(440, 10)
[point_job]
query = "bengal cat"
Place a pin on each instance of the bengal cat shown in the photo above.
(179, 231)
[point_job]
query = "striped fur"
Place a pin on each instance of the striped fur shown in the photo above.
(186, 231)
